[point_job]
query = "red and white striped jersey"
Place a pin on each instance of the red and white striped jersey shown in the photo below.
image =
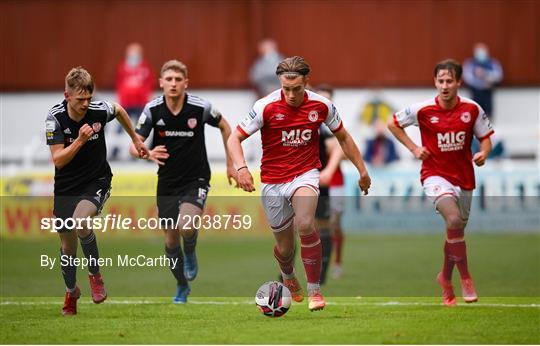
(447, 134)
(290, 135)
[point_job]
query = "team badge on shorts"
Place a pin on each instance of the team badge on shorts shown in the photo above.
(191, 123)
(313, 116)
(96, 127)
(466, 117)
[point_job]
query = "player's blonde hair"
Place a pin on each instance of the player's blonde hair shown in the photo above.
(78, 79)
(293, 67)
(174, 65)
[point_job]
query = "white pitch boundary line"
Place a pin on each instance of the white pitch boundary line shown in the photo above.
(196, 302)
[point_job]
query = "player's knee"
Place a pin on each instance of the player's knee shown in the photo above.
(83, 231)
(286, 250)
(172, 243)
(172, 239)
(69, 249)
(304, 225)
(454, 221)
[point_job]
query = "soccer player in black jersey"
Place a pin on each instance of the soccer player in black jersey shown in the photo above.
(177, 120)
(82, 180)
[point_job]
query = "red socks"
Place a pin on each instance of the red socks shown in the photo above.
(286, 264)
(448, 264)
(455, 252)
(337, 240)
(311, 253)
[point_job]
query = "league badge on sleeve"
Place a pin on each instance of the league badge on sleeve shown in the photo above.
(50, 125)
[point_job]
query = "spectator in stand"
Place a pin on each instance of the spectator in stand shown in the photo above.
(380, 150)
(263, 72)
(135, 83)
(481, 73)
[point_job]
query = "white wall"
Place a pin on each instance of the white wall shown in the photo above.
(22, 116)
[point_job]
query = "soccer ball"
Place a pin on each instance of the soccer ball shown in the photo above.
(273, 299)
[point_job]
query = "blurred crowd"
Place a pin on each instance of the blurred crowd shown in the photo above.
(136, 82)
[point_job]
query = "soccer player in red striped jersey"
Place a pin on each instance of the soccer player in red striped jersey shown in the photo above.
(289, 120)
(447, 125)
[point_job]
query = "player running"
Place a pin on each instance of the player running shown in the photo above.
(82, 179)
(289, 120)
(332, 178)
(177, 120)
(447, 125)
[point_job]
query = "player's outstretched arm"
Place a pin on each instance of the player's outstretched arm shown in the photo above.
(353, 154)
(485, 148)
(421, 153)
(123, 119)
(234, 145)
(225, 129)
(62, 156)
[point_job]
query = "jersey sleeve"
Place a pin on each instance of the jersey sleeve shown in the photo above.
(253, 121)
(211, 115)
(333, 120)
(407, 116)
(108, 107)
(325, 132)
(482, 125)
(53, 130)
(144, 124)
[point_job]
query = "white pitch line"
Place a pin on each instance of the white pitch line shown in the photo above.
(196, 302)
(494, 305)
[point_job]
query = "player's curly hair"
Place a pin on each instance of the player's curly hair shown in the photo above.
(451, 65)
(293, 67)
(174, 65)
(78, 79)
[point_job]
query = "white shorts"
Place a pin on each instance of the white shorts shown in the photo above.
(276, 199)
(438, 188)
(337, 199)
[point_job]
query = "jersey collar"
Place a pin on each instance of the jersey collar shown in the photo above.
(441, 107)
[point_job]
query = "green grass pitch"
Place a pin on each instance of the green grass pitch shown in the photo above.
(388, 295)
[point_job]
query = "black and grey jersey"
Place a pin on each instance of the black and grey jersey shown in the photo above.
(182, 135)
(324, 134)
(90, 162)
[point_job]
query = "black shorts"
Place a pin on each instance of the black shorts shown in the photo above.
(169, 198)
(323, 204)
(96, 192)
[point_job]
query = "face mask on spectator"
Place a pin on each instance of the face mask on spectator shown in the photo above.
(133, 60)
(481, 54)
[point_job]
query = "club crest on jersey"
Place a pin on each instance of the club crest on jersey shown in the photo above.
(313, 116)
(465, 117)
(191, 123)
(96, 127)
